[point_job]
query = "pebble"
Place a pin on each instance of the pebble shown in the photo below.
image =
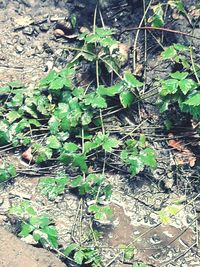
(28, 30)
(58, 33)
(19, 49)
(44, 27)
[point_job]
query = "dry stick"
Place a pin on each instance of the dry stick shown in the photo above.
(179, 256)
(137, 35)
(145, 50)
(193, 65)
(159, 29)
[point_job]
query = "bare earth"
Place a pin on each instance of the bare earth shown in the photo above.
(22, 255)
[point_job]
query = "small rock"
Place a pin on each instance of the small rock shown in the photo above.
(58, 33)
(29, 240)
(19, 49)
(49, 66)
(44, 27)
(48, 49)
(28, 30)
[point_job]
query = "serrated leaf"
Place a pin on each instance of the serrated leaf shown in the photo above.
(57, 84)
(41, 221)
(26, 229)
(179, 75)
(5, 90)
(169, 86)
(49, 78)
(131, 80)
(187, 85)
(126, 98)
(110, 143)
(86, 118)
(78, 257)
(136, 165)
(108, 42)
(194, 100)
(70, 147)
(181, 47)
(53, 142)
(79, 160)
(96, 101)
(169, 53)
(52, 235)
(109, 91)
(148, 157)
(76, 182)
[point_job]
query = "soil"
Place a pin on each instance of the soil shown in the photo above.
(29, 49)
(16, 253)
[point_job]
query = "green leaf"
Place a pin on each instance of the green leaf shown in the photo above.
(108, 42)
(96, 101)
(53, 142)
(194, 100)
(42, 153)
(110, 143)
(5, 136)
(86, 118)
(169, 52)
(69, 249)
(78, 257)
(26, 229)
(157, 19)
(5, 90)
(92, 38)
(127, 251)
(73, 20)
(187, 85)
(57, 84)
(181, 47)
(169, 86)
(179, 75)
(109, 91)
(78, 92)
(104, 32)
(79, 160)
(41, 221)
(164, 216)
(70, 147)
(136, 165)
(76, 182)
(52, 235)
(131, 80)
(17, 100)
(52, 187)
(126, 98)
(49, 78)
(148, 157)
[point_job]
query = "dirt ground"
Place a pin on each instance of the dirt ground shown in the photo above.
(28, 50)
(16, 253)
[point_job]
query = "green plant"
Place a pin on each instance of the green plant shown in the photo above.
(52, 187)
(182, 87)
(6, 171)
(39, 226)
(128, 252)
(83, 255)
(137, 155)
